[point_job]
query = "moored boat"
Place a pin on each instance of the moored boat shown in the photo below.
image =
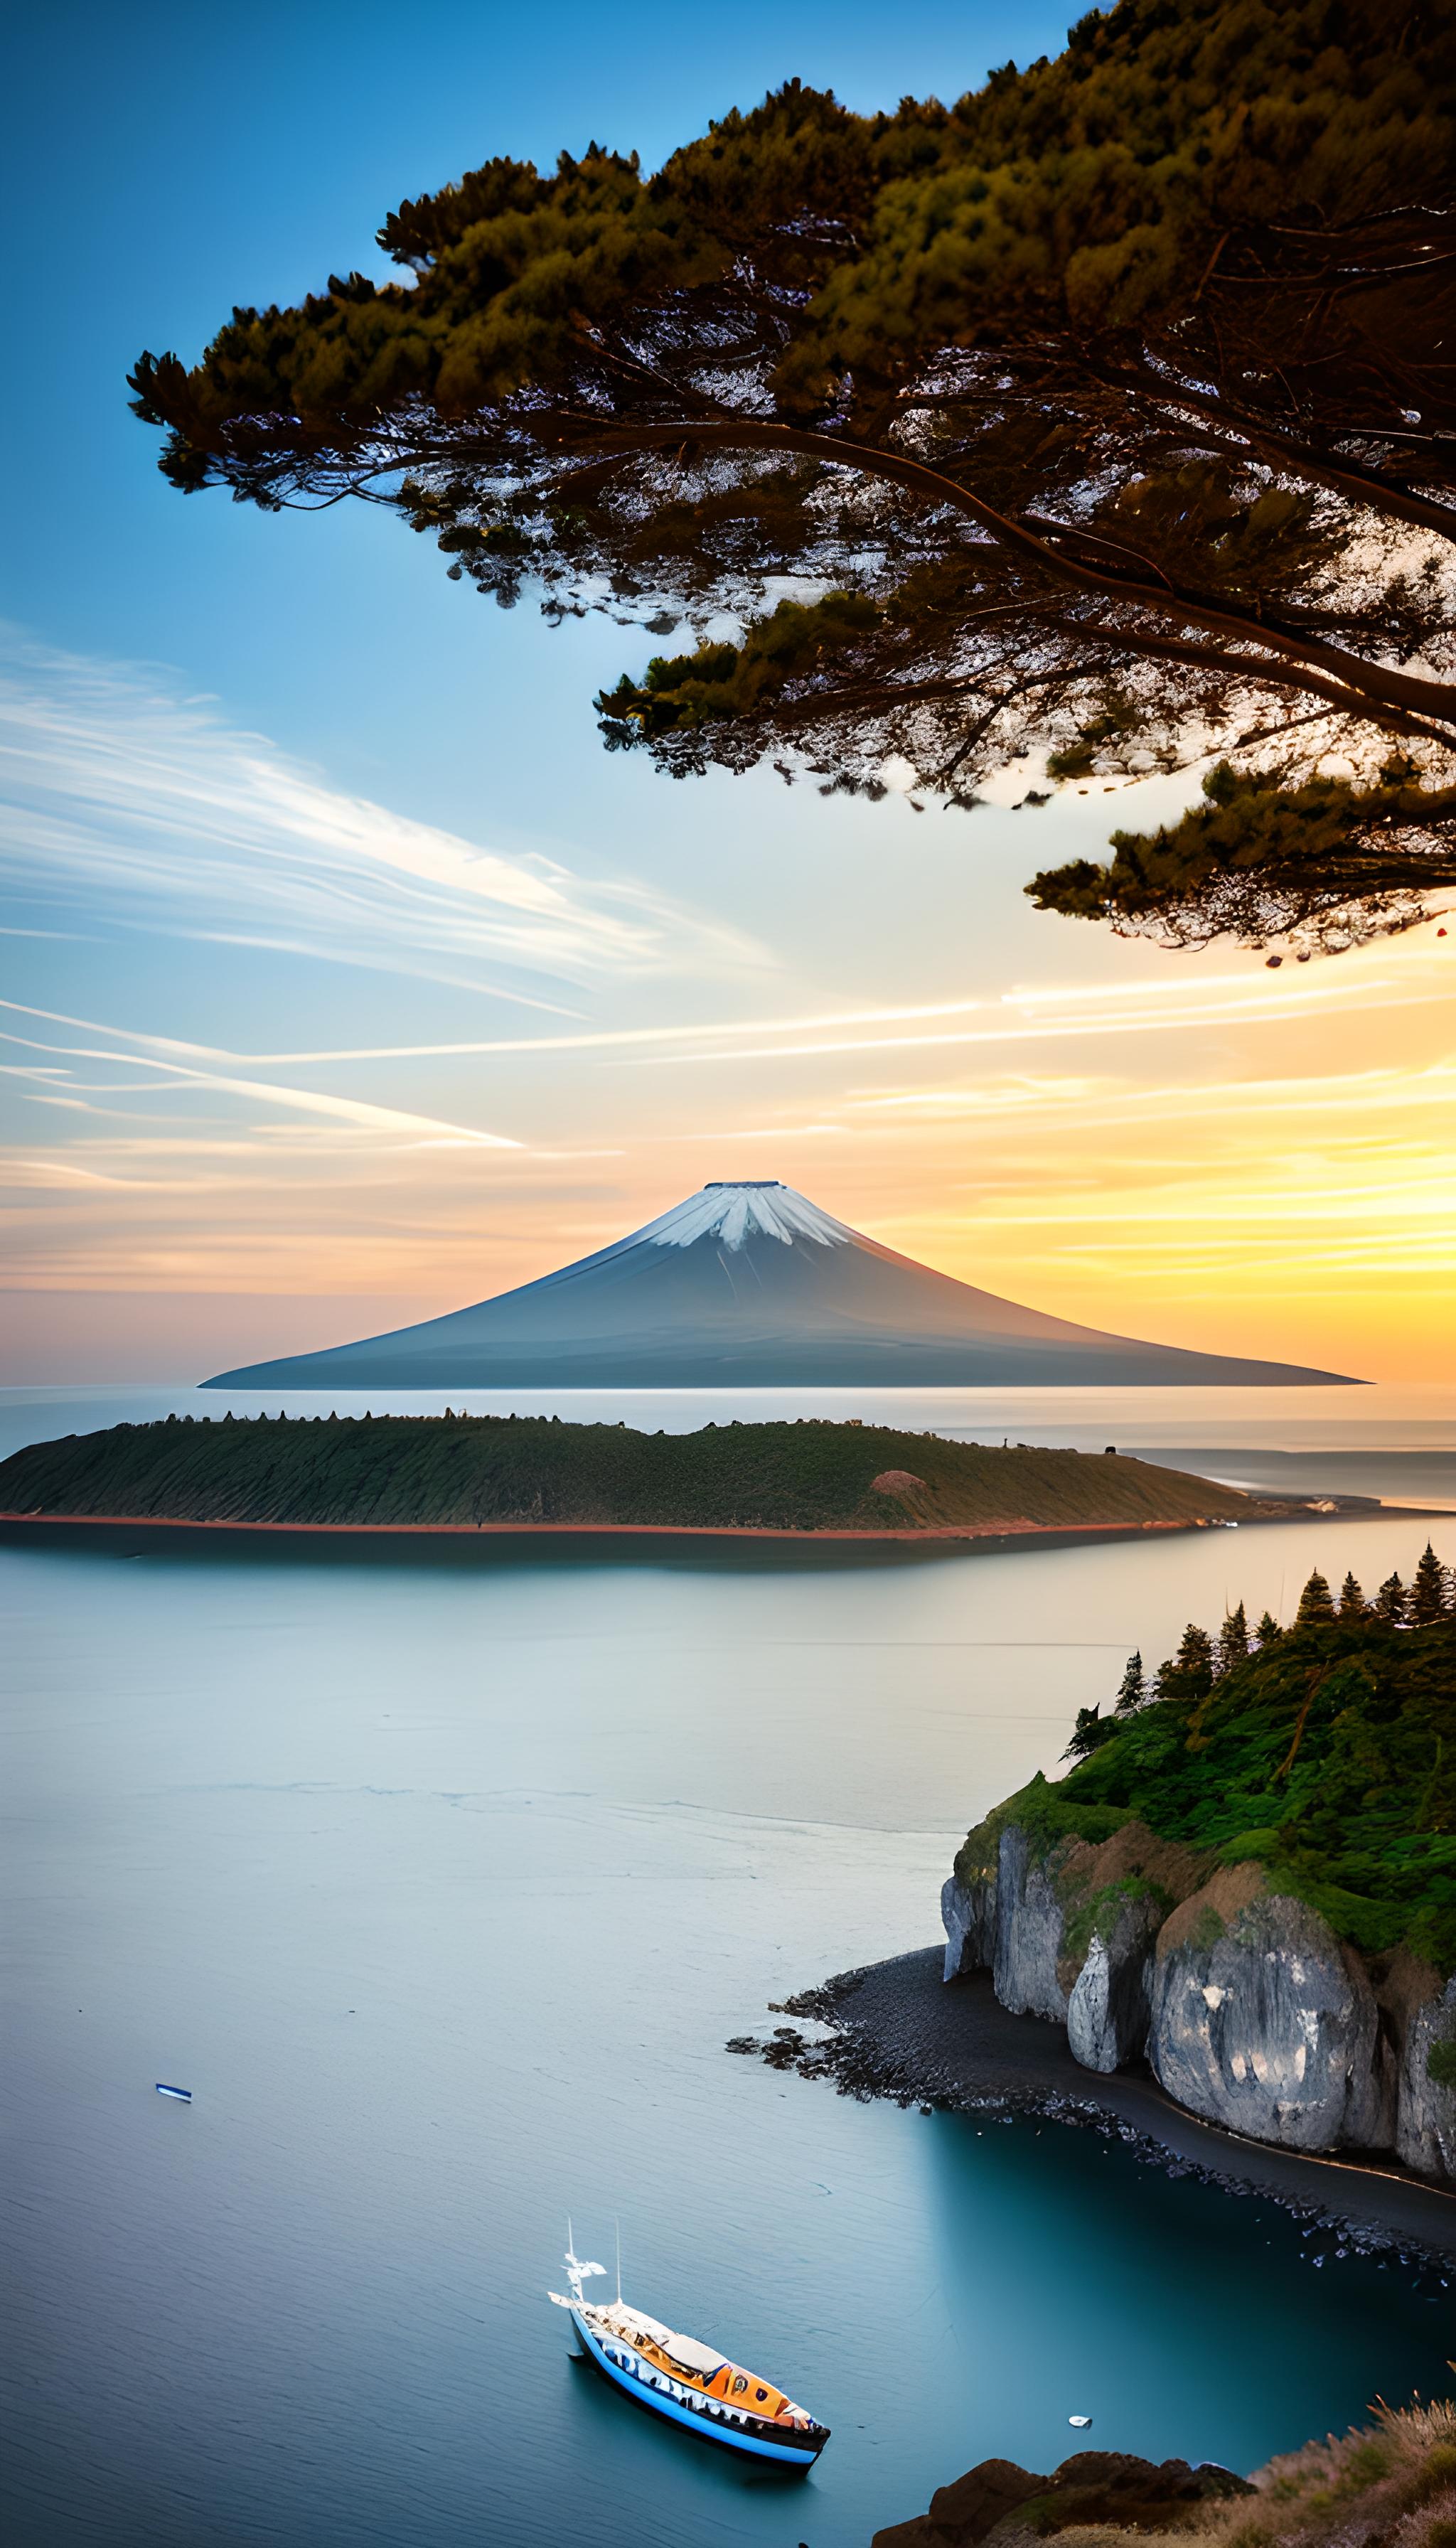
(690, 2383)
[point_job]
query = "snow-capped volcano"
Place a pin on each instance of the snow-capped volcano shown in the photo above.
(750, 1285)
(760, 1209)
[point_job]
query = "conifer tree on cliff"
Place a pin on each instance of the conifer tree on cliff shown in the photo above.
(1392, 1601)
(1132, 1689)
(1233, 1640)
(1107, 412)
(1317, 1605)
(1190, 1673)
(1091, 1730)
(1428, 1590)
(1268, 1632)
(1353, 1599)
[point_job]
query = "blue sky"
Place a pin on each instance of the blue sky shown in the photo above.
(169, 161)
(277, 788)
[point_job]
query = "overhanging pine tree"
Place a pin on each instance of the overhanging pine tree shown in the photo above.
(1109, 411)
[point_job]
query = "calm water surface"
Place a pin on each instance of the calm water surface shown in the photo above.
(441, 1880)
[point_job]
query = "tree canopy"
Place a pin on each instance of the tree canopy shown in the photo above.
(1109, 413)
(1322, 1757)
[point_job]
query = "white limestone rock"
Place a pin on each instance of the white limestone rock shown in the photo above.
(1030, 1928)
(1262, 2020)
(968, 1911)
(1425, 2109)
(1108, 2011)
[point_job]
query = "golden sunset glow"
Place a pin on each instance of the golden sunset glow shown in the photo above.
(1210, 1154)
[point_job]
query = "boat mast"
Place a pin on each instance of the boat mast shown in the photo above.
(619, 2259)
(577, 2266)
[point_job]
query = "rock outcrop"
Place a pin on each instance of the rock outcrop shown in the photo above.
(1108, 2011)
(1264, 2021)
(968, 1911)
(1424, 2025)
(1090, 2490)
(1250, 2010)
(1070, 1935)
(1028, 1931)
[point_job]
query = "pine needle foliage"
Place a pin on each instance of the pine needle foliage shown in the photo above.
(1107, 413)
(1316, 1603)
(1430, 1591)
(1132, 1689)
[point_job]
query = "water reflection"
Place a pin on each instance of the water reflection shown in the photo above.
(442, 1884)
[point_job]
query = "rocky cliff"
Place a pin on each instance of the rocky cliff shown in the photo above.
(1250, 2010)
(1247, 1879)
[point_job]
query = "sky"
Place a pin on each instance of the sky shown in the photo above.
(347, 979)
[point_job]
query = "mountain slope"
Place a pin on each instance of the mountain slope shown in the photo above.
(749, 1286)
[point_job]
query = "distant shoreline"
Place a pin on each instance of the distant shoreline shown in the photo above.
(453, 1479)
(946, 1532)
(947, 1535)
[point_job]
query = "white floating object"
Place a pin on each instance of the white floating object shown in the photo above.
(1079, 2423)
(183, 2095)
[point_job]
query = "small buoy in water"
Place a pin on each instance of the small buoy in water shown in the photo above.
(183, 2095)
(1079, 2423)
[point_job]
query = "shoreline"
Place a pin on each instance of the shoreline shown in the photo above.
(947, 1534)
(940, 1532)
(898, 2031)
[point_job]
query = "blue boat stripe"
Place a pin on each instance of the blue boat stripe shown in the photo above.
(697, 2421)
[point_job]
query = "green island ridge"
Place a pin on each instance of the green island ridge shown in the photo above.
(461, 1471)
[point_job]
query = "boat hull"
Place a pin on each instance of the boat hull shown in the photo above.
(705, 2416)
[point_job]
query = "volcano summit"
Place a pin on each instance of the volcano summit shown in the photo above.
(753, 1286)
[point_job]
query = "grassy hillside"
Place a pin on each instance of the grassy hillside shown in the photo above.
(1329, 1754)
(492, 1468)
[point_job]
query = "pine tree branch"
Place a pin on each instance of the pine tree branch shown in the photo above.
(1370, 688)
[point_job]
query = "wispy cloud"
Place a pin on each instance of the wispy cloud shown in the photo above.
(1058, 1013)
(118, 792)
(1230, 1100)
(1019, 1019)
(596, 1040)
(392, 1121)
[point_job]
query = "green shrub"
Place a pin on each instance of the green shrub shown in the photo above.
(1098, 1915)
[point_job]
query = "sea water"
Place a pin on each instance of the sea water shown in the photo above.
(441, 1876)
